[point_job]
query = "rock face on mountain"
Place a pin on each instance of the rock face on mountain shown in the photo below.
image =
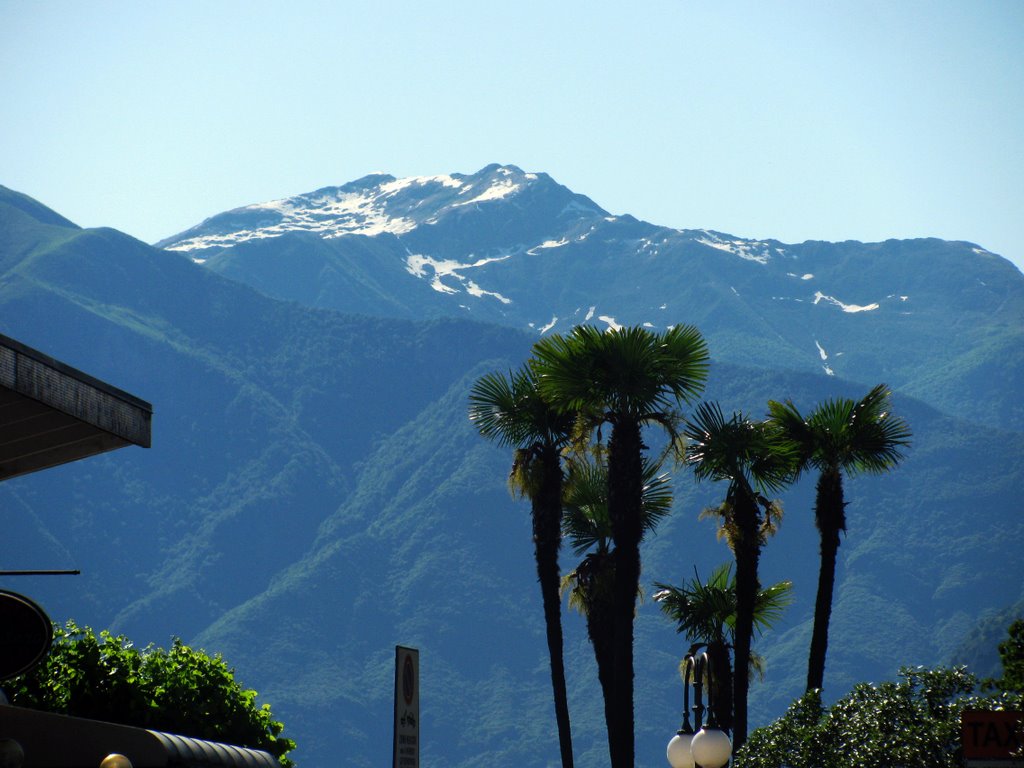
(315, 494)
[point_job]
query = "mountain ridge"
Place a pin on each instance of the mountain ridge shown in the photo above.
(515, 258)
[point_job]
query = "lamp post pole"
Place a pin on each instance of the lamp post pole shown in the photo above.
(710, 746)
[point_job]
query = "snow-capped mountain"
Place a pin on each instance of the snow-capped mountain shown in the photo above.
(374, 205)
(517, 248)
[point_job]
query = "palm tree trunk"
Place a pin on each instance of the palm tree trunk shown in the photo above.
(722, 684)
(599, 630)
(830, 518)
(625, 504)
(547, 519)
(747, 551)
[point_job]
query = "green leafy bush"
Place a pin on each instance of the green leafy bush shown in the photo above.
(180, 690)
(912, 723)
(1011, 653)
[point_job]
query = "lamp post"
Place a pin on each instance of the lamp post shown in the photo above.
(709, 747)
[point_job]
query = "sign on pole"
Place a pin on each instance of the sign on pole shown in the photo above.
(406, 752)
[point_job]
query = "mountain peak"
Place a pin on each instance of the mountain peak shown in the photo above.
(375, 204)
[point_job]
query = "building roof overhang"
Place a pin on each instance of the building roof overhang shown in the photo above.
(51, 413)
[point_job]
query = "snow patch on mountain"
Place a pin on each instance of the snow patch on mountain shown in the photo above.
(496, 191)
(392, 188)
(549, 326)
(610, 321)
(416, 265)
(819, 296)
(475, 290)
(329, 215)
(821, 350)
(547, 244)
(751, 250)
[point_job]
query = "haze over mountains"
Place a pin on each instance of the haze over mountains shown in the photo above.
(315, 494)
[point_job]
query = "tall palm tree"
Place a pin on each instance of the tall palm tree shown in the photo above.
(840, 436)
(754, 459)
(706, 614)
(510, 410)
(587, 526)
(626, 377)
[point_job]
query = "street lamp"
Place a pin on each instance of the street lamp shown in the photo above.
(709, 747)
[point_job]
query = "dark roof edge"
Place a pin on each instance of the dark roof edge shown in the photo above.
(74, 373)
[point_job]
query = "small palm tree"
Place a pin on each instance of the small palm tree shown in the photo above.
(840, 436)
(590, 585)
(754, 459)
(706, 614)
(510, 410)
(628, 378)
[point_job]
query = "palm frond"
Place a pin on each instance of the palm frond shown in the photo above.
(706, 612)
(656, 496)
(770, 604)
(629, 371)
(494, 405)
(510, 410)
(846, 435)
(585, 520)
(749, 454)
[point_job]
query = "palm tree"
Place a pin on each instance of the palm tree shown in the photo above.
(754, 459)
(626, 377)
(840, 436)
(509, 409)
(587, 526)
(706, 614)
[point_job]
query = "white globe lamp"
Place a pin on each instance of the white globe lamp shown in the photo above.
(711, 748)
(678, 752)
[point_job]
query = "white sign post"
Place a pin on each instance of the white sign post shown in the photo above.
(406, 752)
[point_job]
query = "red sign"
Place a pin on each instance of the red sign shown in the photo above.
(992, 735)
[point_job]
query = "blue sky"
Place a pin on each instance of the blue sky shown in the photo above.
(794, 120)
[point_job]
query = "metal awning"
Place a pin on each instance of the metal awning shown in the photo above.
(60, 741)
(51, 413)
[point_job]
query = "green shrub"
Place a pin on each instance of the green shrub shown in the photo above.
(912, 723)
(180, 690)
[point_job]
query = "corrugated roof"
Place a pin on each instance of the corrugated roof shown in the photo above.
(196, 753)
